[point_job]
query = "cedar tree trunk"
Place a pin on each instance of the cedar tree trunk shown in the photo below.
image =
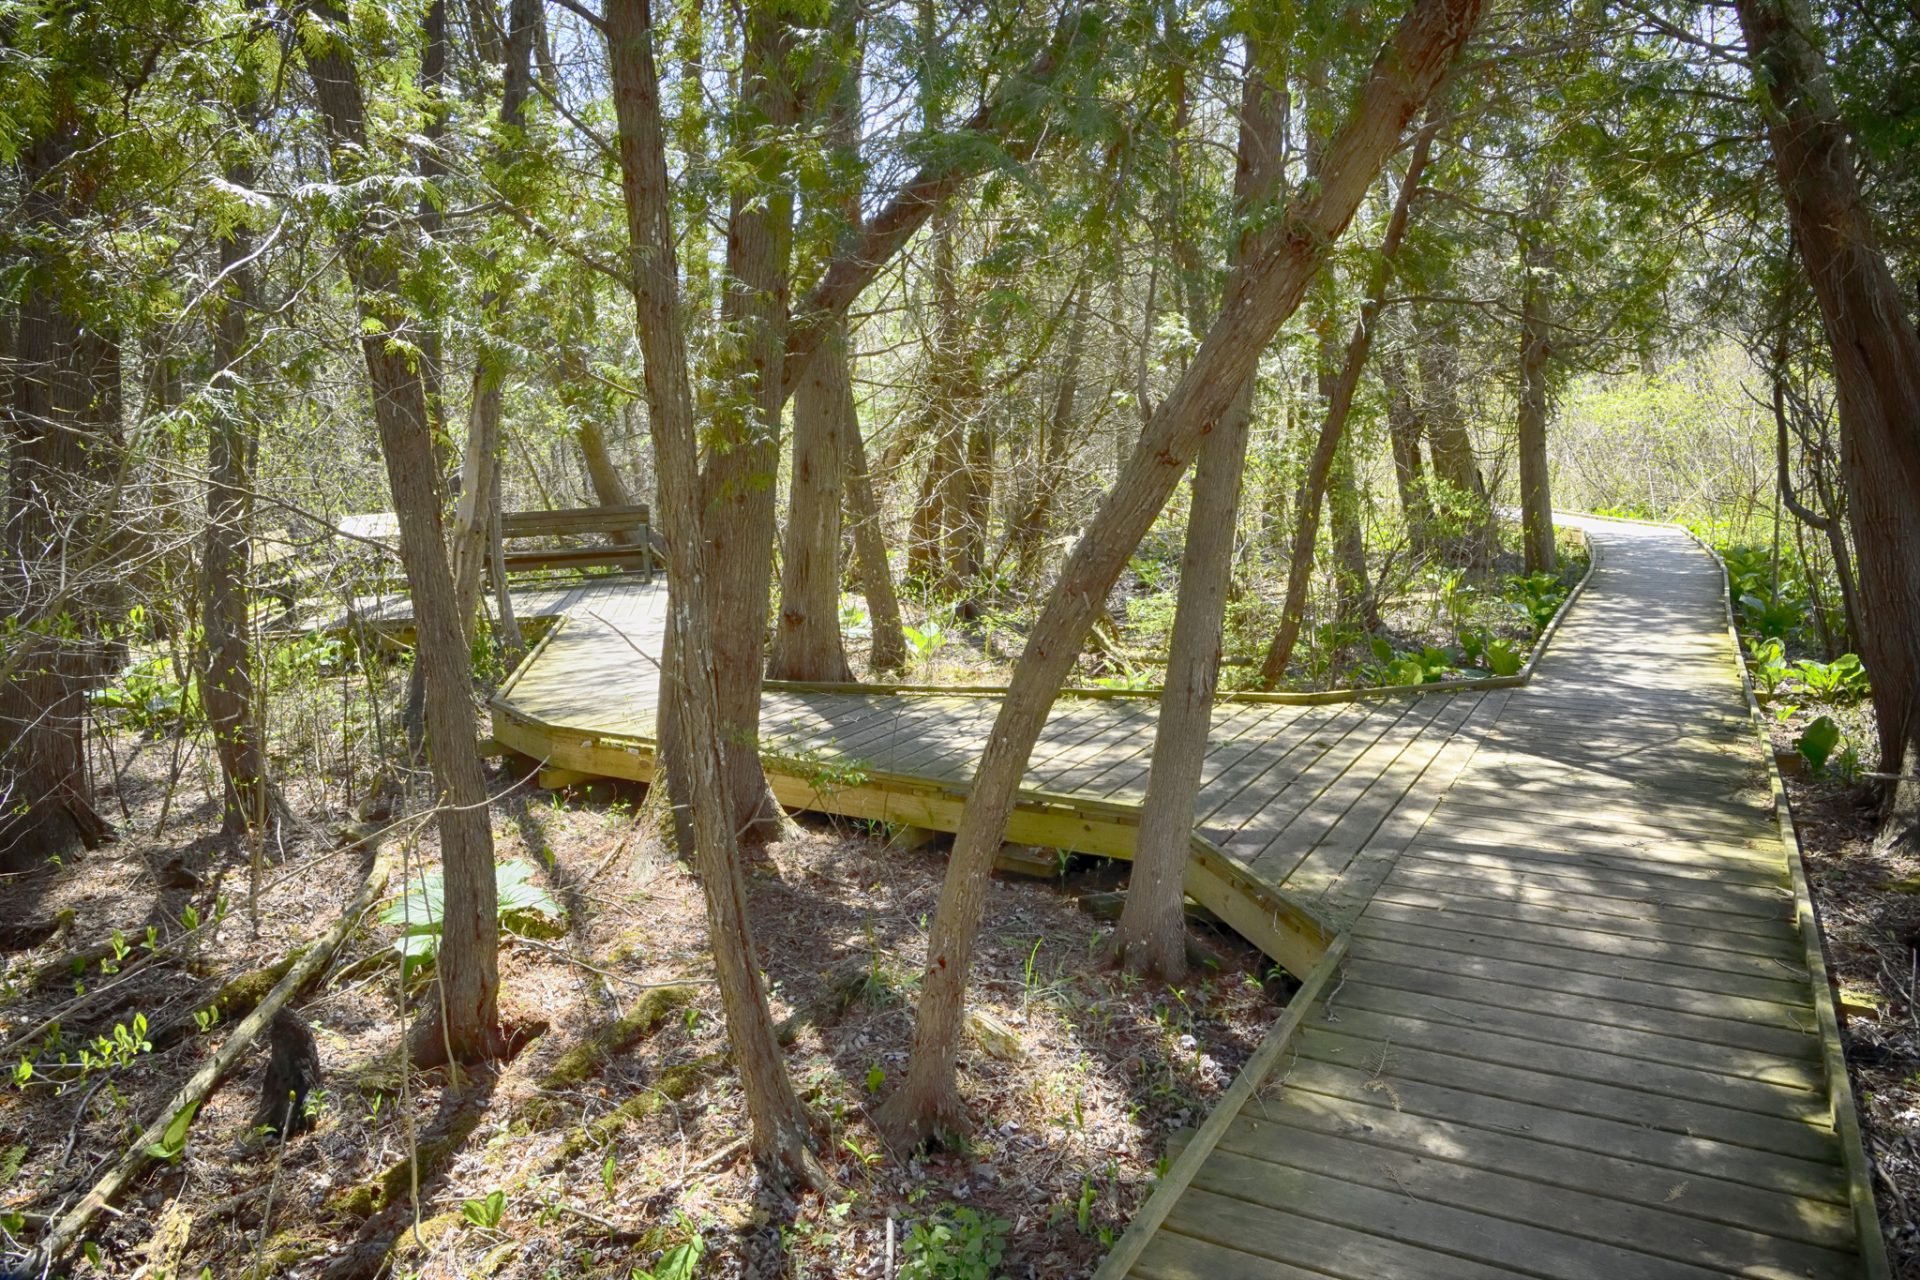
(1876, 373)
(466, 968)
(1152, 935)
(779, 1127)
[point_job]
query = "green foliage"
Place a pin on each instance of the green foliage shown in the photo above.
(1422, 666)
(955, 1244)
(524, 907)
(149, 699)
(1536, 597)
(1767, 664)
(678, 1263)
(926, 641)
(1776, 616)
(1818, 741)
(487, 1212)
(173, 1141)
(1841, 682)
(1499, 654)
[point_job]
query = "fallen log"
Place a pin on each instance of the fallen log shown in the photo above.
(68, 1229)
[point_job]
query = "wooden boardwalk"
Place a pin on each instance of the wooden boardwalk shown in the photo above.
(1575, 1034)
(1563, 1016)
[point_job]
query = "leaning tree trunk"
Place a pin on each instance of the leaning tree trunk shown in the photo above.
(1830, 520)
(464, 1020)
(1152, 936)
(226, 672)
(1536, 490)
(1306, 525)
(609, 486)
(1425, 44)
(779, 1128)
(1876, 373)
(63, 400)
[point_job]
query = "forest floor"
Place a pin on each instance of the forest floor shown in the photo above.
(1869, 907)
(602, 1164)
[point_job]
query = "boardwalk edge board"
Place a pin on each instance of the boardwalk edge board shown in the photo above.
(1845, 1115)
(1251, 1079)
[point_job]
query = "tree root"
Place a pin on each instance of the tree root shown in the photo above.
(918, 1115)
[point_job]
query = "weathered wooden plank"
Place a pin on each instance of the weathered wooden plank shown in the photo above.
(1605, 1228)
(1787, 989)
(1426, 1223)
(1349, 892)
(1291, 783)
(1336, 847)
(1696, 934)
(1552, 894)
(1272, 767)
(1291, 836)
(1778, 1040)
(1791, 1180)
(1575, 1060)
(1795, 1133)
(1511, 868)
(1545, 978)
(1226, 1231)
(1560, 1028)
(1550, 939)
(575, 520)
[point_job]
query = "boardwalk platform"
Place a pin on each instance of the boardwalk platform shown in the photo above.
(1565, 1014)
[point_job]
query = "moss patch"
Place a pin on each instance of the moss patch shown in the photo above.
(365, 1199)
(587, 1058)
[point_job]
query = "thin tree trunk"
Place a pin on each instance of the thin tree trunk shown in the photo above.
(1353, 591)
(226, 674)
(1008, 118)
(1028, 534)
(432, 167)
(1536, 348)
(1876, 368)
(1273, 667)
(870, 558)
(464, 1020)
(1829, 521)
(1461, 504)
(1292, 249)
(779, 1127)
(1409, 475)
(806, 637)
(1151, 938)
(474, 514)
(477, 519)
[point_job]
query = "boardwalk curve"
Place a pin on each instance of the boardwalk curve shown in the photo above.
(1564, 1011)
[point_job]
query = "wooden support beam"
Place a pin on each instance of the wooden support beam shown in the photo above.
(559, 779)
(1028, 860)
(906, 839)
